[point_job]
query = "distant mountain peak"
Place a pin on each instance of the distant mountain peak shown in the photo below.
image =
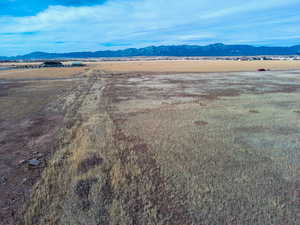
(218, 45)
(217, 49)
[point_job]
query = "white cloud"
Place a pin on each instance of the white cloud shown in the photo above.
(137, 23)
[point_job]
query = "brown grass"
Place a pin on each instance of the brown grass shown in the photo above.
(42, 73)
(235, 154)
(104, 177)
(175, 149)
(196, 66)
(227, 170)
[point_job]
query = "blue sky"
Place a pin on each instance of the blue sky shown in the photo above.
(79, 25)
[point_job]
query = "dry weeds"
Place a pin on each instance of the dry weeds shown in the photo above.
(145, 149)
(42, 73)
(124, 186)
(187, 66)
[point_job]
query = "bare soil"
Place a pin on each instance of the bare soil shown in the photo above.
(149, 148)
(31, 116)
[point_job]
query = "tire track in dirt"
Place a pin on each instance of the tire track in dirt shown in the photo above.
(53, 185)
(101, 174)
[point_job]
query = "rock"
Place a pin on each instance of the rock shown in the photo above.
(38, 155)
(24, 180)
(34, 162)
(21, 162)
(3, 180)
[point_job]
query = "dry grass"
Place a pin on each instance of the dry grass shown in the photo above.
(42, 73)
(195, 66)
(30, 116)
(124, 187)
(175, 149)
(236, 156)
(227, 170)
(9, 64)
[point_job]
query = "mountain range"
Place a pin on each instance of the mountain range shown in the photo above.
(218, 49)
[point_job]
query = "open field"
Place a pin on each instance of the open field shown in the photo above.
(31, 114)
(12, 64)
(157, 66)
(41, 73)
(141, 148)
(196, 66)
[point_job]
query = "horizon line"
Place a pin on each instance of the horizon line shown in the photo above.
(148, 46)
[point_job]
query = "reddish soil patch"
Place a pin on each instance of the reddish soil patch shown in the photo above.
(30, 138)
(4, 88)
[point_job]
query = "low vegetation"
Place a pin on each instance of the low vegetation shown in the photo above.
(174, 149)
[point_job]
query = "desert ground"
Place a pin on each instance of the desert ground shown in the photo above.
(150, 143)
(43, 73)
(183, 66)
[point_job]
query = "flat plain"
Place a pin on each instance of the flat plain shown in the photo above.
(43, 73)
(147, 145)
(183, 66)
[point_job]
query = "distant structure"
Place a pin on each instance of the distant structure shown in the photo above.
(78, 64)
(263, 70)
(51, 64)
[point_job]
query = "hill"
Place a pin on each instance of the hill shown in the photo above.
(218, 49)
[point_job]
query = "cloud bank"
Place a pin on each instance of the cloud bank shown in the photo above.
(70, 25)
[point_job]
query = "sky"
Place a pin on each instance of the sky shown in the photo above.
(92, 25)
